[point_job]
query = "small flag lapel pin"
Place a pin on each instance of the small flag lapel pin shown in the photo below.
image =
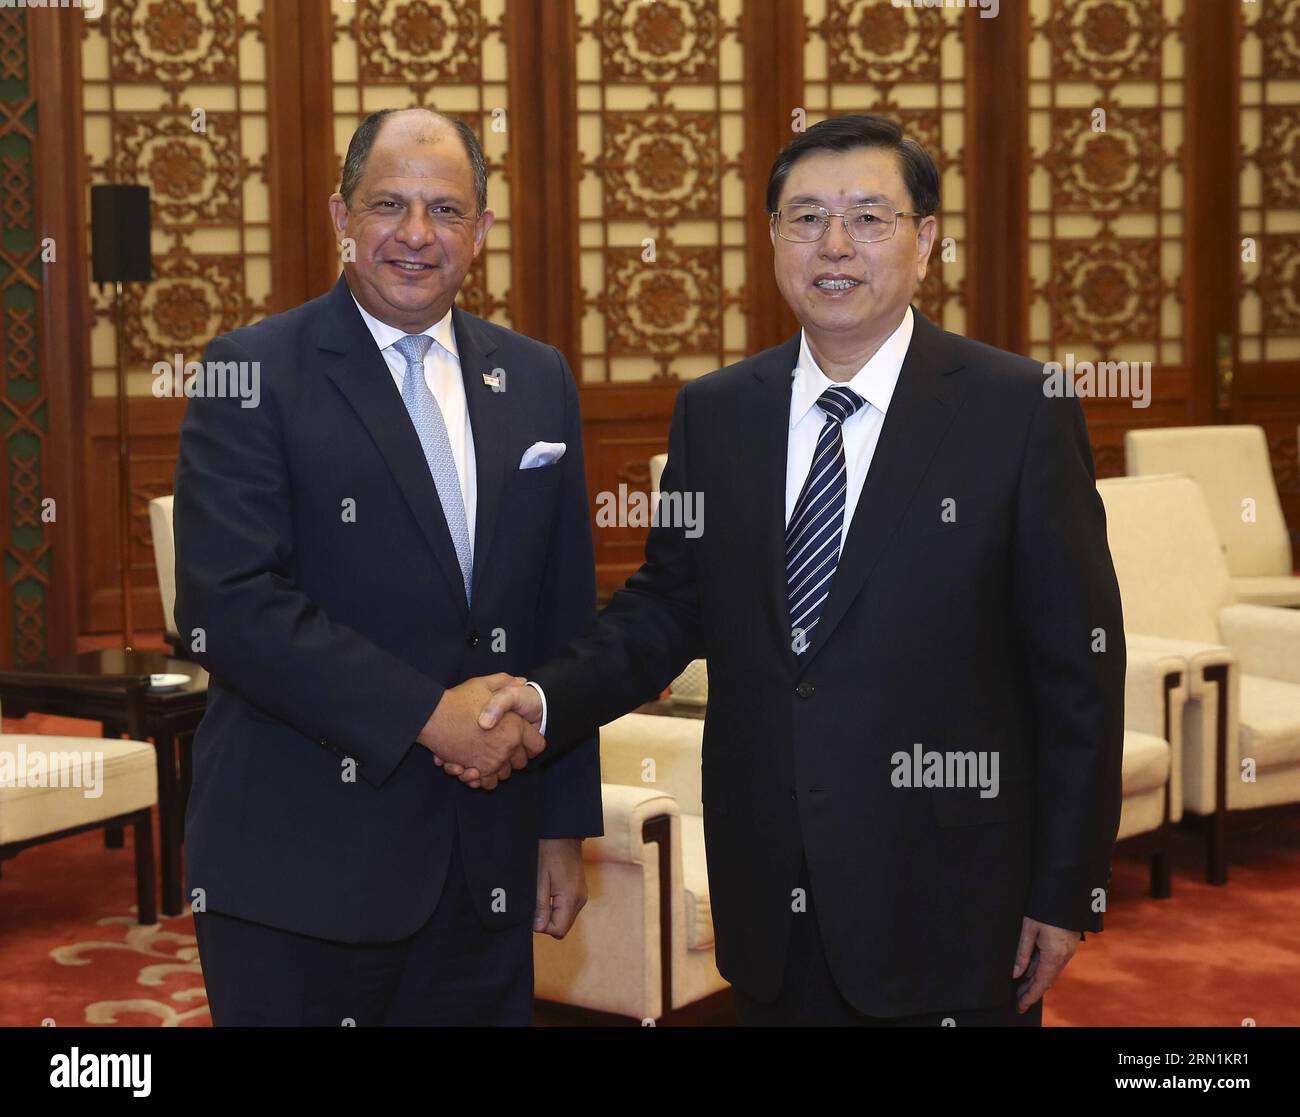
(492, 380)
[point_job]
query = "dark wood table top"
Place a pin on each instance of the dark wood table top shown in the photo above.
(109, 668)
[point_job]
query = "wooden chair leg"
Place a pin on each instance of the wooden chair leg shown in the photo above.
(1161, 883)
(1216, 848)
(145, 896)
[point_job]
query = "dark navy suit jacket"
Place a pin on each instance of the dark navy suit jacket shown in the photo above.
(331, 635)
(994, 631)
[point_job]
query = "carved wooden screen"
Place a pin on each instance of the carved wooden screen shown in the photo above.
(664, 219)
(661, 205)
(1105, 204)
(446, 55)
(629, 142)
(174, 96)
(25, 594)
(1266, 386)
(908, 64)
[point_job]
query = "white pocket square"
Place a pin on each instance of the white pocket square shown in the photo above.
(542, 453)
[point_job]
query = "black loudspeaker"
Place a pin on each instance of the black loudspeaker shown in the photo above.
(119, 234)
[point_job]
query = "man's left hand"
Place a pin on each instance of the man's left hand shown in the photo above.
(1042, 954)
(561, 885)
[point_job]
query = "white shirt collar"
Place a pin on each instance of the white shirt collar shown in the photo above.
(874, 382)
(384, 334)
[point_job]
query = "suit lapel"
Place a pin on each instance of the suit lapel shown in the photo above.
(920, 412)
(490, 418)
(768, 419)
(358, 369)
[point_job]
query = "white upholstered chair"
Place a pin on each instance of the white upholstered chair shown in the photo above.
(1241, 726)
(1155, 694)
(1231, 464)
(657, 464)
(692, 685)
(53, 787)
(164, 558)
(643, 945)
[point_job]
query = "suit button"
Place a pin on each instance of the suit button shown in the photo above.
(472, 639)
(325, 743)
(804, 690)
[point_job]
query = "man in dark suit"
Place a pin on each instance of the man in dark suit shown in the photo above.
(403, 511)
(911, 760)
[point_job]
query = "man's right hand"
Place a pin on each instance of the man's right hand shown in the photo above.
(456, 739)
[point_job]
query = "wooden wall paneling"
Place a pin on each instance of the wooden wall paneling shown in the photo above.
(1210, 34)
(773, 33)
(541, 38)
(155, 438)
(624, 425)
(315, 19)
(1108, 261)
(1263, 72)
(220, 189)
(282, 28)
(664, 117)
(997, 170)
(62, 320)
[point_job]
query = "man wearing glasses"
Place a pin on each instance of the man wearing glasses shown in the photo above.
(911, 763)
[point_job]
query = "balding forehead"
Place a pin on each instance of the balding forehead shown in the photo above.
(432, 126)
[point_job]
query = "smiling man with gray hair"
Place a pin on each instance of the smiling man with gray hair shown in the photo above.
(905, 554)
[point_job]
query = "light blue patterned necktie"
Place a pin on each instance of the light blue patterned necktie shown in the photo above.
(812, 539)
(432, 429)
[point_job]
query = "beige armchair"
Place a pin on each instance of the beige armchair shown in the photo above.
(1241, 726)
(643, 945)
(1231, 464)
(692, 685)
(54, 787)
(1155, 694)
(657, 464)
(164, 558)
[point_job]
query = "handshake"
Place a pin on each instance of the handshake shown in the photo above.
(484, 729)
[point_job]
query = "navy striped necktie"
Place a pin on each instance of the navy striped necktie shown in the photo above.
(812, 538)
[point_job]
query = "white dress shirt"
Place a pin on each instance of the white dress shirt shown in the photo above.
(442, 374)
(874, 382)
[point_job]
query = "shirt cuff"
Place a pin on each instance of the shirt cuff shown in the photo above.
(541, 728)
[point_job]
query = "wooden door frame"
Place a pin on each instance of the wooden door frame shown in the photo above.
(64, 307)
(1211, 257)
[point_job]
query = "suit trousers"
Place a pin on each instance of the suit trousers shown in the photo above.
(810, 997)
(451, 972)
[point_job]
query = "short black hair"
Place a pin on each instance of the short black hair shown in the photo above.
(363, 139)
(848, 133)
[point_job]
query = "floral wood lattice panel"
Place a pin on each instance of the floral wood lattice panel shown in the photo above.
(174, 97)
(24, 415)
(662, 218)
(446, 55)
(907, 64)
(1269, 324)
(1106, 186)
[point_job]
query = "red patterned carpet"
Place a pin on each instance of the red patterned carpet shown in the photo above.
(70, 949)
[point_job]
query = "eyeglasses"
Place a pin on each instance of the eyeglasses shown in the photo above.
(865, 224)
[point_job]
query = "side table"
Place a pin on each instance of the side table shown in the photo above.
(112, 686)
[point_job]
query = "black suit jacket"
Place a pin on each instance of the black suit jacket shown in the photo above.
(331, 636)
(973, 635)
